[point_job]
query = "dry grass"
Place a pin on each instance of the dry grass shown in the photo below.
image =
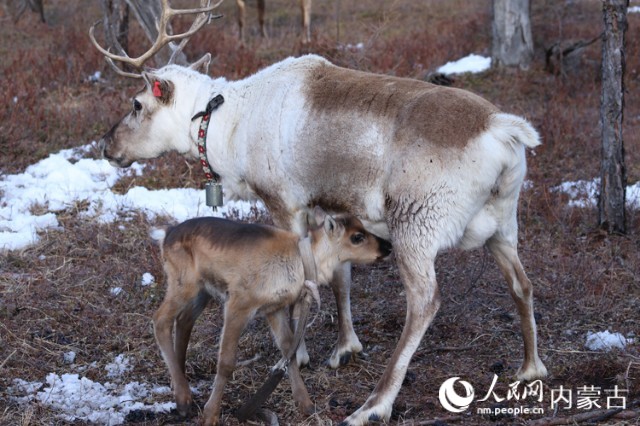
(54, 297)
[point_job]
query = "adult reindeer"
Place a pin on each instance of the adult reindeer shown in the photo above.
(305, 8)
(429, 167)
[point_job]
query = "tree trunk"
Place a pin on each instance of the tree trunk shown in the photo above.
(611, 203)
(16, 8)
(116, 25)
(512, 41)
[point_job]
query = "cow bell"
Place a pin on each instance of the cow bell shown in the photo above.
(213, 191)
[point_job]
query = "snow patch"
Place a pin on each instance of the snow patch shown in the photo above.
(65, 179)
(115, 291)
(147, 279)
(69, 357)
(120, 365)
(472, 63)
(81, 399)
(584, 193)
(606, 341)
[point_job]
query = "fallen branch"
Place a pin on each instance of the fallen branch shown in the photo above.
(591, 416)
(8, 358)
(248, 362)
(436, 421)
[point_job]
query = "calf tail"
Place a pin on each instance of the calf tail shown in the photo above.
(158, 234)
(312, 288)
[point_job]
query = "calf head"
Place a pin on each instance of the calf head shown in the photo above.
(343, 238)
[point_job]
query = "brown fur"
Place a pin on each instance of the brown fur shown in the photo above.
(256, 269)
(404, 102)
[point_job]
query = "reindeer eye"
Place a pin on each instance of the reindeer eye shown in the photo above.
(357, 238)
(137, 106)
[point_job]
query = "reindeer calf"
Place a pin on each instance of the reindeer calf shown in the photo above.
(255, 269)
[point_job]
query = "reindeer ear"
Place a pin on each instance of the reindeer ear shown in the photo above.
(202, 64)
(161, 89)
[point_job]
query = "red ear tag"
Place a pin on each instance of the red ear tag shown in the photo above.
(157, 92)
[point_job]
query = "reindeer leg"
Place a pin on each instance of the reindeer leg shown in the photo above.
(305, 5)
(241, 19)
(348, 342)
(261, 8)
(279, 323)
(236, 318)
(506, 255)
(415, 256)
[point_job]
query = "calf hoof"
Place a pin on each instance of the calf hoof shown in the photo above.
(307, 408)
(210, 422)
(267, 417)
(184, 409)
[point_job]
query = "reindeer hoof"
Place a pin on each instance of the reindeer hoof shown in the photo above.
(374, 418)
(339, 360)
(345, 358)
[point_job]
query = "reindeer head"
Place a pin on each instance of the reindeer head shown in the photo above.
(154, 125)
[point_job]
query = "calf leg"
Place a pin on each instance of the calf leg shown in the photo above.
(279, 323)
(177, 302)
(506, 256)
(236, 318)
(184, 324)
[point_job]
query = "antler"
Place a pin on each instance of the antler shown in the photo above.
(204, 16)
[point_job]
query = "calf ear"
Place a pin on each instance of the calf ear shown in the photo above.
(330, 225)
(318, 216)
(311, 221)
